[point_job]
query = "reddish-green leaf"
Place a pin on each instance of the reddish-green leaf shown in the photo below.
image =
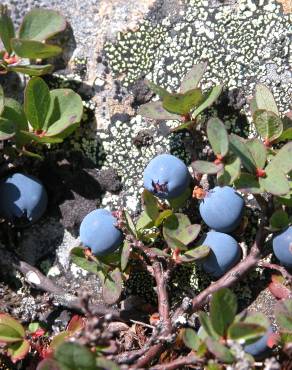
(206, 167)
(155, 110)
(193, 77)
(279, 290)
(2, 100)
(18, 351)
(76, 324)
(41, 24)
(217, 136)
(7, 320)
(6, 28)
(48, 364)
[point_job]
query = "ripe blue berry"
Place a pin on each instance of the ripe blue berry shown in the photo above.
(282, 247)
(225, 253)
(166, 176)
(23, 198)
(259, 349)
(222, 209)
(99, 233)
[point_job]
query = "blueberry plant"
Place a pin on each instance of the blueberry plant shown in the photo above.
(207, 330)
(25, 49)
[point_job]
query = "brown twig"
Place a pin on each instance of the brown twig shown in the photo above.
(281, 269)
(190, 359)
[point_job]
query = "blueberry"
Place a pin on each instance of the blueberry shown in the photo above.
(224, 254)
(222, 209)
(23, 198)
(99, 233)
(282, 247)
(166, 176)
(259, 349)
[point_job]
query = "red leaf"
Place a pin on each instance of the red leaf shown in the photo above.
(76, 324)
(38, 333)
(279, 290)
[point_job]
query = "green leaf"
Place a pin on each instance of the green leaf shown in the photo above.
(126, 251)
(7, 129)
(217, 136)
(178, 231)
(73, 356)
(184, 126)
(195, 254)
(207, 325)
(183, 103)
(239, 148)
(246, 331)
(283, 313)
(8, 334)
(162, 217)
(6, 28)
(258, 152)
(257, 318)
(191, 339)
(155, 110)
(248, 183)
(209, 99)
(230, 171)
(160, 91)
(129, 223)
(78, 257)
(32, 70)
(36, 102)
(9, 321)
(286, 135)
(159, 252)
(150, 204)
(279, 220)
(41, 24)
(283, 159)
(264, 99)
(193, 77)
(13, 111)
(48, 364)
(221, 352)
(112, 286)
(223, 308)
(180, 201)
(206, 167)
(268, 124)
(17, 351)
(34, 49)
(104, 363)
(275, 181)
(144, 221)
